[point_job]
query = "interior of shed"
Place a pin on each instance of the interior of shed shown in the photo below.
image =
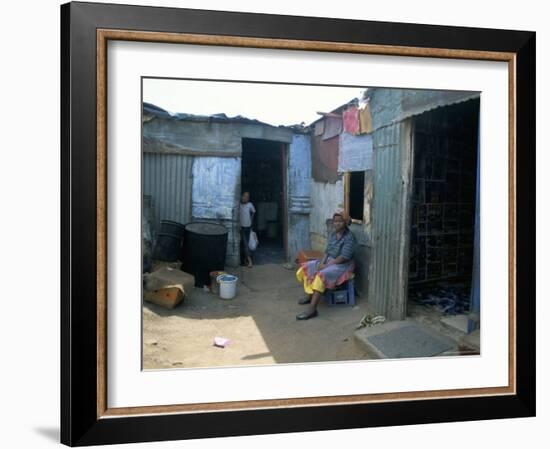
(262, 176)
(441, 252)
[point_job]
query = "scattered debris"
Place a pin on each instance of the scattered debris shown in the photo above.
(221, 342)
(166, 287)
(168, 297)
(449, 299)
(369, 321)
(168, 276)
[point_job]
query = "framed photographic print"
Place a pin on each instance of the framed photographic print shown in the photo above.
(283, 224)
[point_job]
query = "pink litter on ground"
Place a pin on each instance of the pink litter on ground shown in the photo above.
(221, 342)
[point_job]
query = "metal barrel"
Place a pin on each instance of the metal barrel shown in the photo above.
(204, 250)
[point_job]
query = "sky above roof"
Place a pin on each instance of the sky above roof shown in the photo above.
(276, 104)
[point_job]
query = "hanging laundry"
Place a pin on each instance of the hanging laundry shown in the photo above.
(351, 120)
(365, 119)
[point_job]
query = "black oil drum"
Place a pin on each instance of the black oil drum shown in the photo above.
(167, 247)
(204, 249)
(172, 227)
(168, 243)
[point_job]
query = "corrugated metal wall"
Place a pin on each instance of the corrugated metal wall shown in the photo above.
(390, 226)
(167, 178)
(216, 197)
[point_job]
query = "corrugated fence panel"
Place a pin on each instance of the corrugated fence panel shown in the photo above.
(167, 178)
(387, 285)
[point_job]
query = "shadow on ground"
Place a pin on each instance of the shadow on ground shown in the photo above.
(260, 324)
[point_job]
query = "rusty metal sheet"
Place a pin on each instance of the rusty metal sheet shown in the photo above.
(332, 127)
(324, 159)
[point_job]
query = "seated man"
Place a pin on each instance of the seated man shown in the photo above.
(336, 267)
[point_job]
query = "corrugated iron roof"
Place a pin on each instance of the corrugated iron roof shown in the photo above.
(153, 110)
(414, 102)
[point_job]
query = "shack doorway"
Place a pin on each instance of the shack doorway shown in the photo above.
(443, 213)
(263, 176)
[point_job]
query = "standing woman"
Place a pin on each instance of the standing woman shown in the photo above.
(246, 215)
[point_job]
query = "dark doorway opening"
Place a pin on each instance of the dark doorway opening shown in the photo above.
(263, 177)
(356, 195)
(441, 251)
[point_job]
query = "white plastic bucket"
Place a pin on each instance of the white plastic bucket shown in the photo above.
(228, 285)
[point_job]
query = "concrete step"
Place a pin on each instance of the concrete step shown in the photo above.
(471, 342)
(457, 322)
(402, 339)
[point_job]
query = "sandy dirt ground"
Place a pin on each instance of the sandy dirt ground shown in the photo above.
(260, 323)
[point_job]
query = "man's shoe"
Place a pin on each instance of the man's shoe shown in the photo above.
(306, 315)
(304, 301)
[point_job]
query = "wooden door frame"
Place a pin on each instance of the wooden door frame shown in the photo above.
(347, 185)
(285, 200)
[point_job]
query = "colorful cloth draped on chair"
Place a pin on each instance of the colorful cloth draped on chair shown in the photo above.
(329, 277)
